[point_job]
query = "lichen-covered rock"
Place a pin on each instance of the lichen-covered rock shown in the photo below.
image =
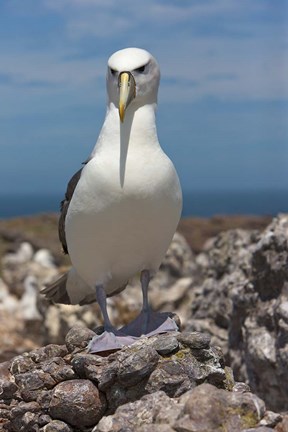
(209, 408)
(204, 408)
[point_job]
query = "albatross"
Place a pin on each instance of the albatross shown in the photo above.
(121, 209)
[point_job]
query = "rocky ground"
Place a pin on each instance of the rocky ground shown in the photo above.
(231, 295)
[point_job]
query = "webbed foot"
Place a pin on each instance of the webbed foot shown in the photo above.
(108, 341)
(149, 323)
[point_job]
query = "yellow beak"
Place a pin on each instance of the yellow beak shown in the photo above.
(127, 92)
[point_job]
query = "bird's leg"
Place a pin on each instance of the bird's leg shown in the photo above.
(149, 322)
(111, 338)
(146, 309)
(102, 302)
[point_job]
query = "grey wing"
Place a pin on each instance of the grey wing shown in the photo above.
(65, 204)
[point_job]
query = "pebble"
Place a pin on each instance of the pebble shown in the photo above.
(166, 345)
(194, 340)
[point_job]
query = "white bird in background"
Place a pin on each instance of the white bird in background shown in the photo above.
(122, 208)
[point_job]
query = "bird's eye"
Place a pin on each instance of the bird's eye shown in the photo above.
(141, 69)
(113, 71)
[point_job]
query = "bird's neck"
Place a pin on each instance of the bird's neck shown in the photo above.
(137, 131)
(133, 140)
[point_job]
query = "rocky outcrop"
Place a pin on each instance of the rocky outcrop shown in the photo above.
(242, 301)
(235, 290)
(172, 382)
(204, 408)
(64, 382)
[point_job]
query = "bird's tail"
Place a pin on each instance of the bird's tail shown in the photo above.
(56, 291)
(70, 289)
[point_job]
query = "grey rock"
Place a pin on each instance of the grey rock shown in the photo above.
(47, 352)
(183, 370)
(99, 369)
(209, 408)
(78, 337)
(241, 387)
(32, 384)
(77, 402)
(21, 364)
(259, 429)
(166, 345)
(56, 426)
(44, 419)
(4, 415)
(243, 278)
(58, 369)
(204, 408)
(8, 387)
(136, 366)
(194, 340)
(178, 261)
(283, 425)
(139, 413)
(24, 417)
(171, 377)
(155, 428)
(271, 419)
(43, 398)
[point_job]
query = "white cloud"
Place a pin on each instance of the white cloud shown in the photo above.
(248, 54)
(154, 10)
(247, 71)
(46, 67)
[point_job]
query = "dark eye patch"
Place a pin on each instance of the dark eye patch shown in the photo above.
(113, 71)
(140, 69)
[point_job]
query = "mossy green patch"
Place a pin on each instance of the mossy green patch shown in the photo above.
(229, 380)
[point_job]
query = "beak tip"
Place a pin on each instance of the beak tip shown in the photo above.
(121, 114)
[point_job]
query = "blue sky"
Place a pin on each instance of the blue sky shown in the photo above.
(223, 101)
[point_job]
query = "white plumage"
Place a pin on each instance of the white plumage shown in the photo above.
(127, 202)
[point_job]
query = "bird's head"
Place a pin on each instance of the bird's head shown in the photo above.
(132, 79)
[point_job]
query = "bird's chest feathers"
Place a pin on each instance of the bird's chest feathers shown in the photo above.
(104, 190)
(126, 171)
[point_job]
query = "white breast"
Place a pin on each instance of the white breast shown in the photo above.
(115, 231)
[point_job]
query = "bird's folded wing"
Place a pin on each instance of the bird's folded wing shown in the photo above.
(65, 204)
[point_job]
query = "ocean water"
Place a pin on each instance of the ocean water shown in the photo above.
(202, 204)
(210, 203)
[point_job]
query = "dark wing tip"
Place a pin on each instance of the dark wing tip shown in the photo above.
(56, 290)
